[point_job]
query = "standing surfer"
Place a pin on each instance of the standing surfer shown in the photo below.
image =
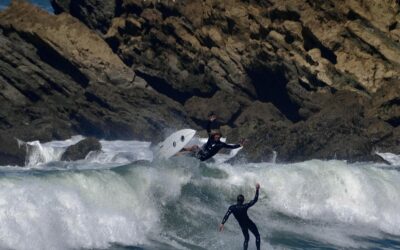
(239, 210)
(212, 123)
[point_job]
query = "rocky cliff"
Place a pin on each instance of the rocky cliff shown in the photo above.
(59, 78)
(308, 79)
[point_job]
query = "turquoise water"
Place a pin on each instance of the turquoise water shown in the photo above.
(45, 4)
(109, 202)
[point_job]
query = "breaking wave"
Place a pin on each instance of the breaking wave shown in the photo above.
(111, 201)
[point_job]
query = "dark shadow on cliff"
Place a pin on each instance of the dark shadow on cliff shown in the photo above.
(270, 86)
(165, 88)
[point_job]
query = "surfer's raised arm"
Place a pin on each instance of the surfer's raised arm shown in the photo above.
(251, 203)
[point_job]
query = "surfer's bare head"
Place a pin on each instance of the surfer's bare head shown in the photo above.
(216, 135)
(240, 199)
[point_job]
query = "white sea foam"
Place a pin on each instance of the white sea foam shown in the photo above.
(393, 159)
(90, 205)
(113, 152)
(41, 153)
(326, 192)
(89, 209)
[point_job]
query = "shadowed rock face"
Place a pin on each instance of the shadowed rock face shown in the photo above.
(80, 150)
(59, 78)
(308, 79)
(11, 152)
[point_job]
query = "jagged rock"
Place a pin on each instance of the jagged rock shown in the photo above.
(263, 112)
(97, 14)
(338, 131)
(12, 153)
(79, 150)
(326, 66)
(225, 105)
(381, 14)
(262, 140)
(386, 104)
(58, 78)
(294, 26)
(390, 143)
(70, 41)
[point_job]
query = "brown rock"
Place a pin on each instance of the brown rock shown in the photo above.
(69, 81)
(67, 37)
(326, 66)
(97, 14)
(225, 105)
(80, 150)
(263, 112)
(11, 151)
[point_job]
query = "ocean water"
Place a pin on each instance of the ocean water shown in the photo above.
(117, 200)
(45, 4)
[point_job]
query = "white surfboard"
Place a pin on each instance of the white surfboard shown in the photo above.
(174, 143)
(221, 158)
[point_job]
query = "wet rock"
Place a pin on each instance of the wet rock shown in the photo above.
(59, 78)
(227, 106)
(12, 153)
(389, 143)
(293, 28)
(262, 139)
(96, 14)
(263, 112)
(339, 131)
(80, 150)
(308, 79)
(386, 104)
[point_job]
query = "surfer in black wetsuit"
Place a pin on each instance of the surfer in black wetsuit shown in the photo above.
(240, 212)
(213, 145)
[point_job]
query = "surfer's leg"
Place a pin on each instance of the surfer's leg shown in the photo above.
(193, 148)
(186, 150)
(246, 237)
(254, 230)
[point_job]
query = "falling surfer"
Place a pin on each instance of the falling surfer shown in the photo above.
(239, 210)
(213, 144)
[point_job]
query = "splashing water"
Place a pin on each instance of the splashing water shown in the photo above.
(108, 201)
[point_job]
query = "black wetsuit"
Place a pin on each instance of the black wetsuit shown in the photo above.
(212, 146)
(212, 125)
(240, 213)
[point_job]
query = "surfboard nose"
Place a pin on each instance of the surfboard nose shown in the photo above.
(174, 143)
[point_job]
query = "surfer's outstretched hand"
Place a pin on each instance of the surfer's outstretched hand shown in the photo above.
(242, 142)
(257, 186)
(221, 227)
